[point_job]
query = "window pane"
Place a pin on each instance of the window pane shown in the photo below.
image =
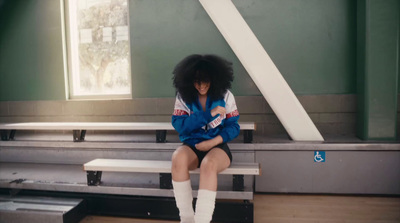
(99, 48)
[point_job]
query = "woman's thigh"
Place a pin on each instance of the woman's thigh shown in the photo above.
(184, 155)
(219, 157)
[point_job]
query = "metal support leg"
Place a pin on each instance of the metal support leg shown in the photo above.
(83, 134)
(4, 135)
(76, 135)
(93, 177)
(165, 181)
(12, 134)
(79, 135)
(238, 183)
(248, 136)
(161, 135)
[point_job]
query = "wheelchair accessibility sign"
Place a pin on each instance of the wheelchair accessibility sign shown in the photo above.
(319, 156)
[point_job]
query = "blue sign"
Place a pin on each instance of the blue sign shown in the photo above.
(319, 156)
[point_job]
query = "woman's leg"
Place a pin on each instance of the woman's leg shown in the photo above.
(183, 160)
(214, 162)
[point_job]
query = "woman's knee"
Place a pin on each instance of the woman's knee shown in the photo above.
(209, 166)
(180, 160)
(215, 161)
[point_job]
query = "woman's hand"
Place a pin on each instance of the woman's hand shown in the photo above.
(204, 146)
(218, 110)
(209, 144)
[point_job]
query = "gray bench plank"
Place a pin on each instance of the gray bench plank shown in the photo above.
(100, 126)
(159, 166)
(79, 128)
(41, 209)
(224, 193)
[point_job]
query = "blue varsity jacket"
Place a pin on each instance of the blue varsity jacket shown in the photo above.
(195, 125)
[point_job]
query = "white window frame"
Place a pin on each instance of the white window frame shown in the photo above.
(72, 38)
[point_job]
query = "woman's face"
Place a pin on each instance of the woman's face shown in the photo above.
(202, 87)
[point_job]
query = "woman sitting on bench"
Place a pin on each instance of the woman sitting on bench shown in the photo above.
(205, 116)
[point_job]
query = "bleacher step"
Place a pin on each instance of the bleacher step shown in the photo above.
(41, 209)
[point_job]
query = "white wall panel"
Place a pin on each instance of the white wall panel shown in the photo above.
(262, 70)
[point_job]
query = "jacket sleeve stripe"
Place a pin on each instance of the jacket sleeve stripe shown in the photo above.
(232, 114)
(179, 112)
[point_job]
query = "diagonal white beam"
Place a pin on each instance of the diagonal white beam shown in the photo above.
(262, 70)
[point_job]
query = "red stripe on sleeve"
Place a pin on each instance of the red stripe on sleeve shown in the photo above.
(178, 112)
(232, 114)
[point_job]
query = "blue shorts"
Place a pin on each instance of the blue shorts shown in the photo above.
(201, 154)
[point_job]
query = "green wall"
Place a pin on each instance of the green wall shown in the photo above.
(31, 58)
(312, 42)
(378, 69)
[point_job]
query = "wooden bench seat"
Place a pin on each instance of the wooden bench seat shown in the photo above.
(95, 168)
(79, 128)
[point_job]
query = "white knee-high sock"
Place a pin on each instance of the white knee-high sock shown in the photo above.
(205, 206)
(184, 200)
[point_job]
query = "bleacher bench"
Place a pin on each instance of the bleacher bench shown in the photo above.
(95, 168)
(79, 128)
(244, 211)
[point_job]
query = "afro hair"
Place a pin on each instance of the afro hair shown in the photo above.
(202, 68)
